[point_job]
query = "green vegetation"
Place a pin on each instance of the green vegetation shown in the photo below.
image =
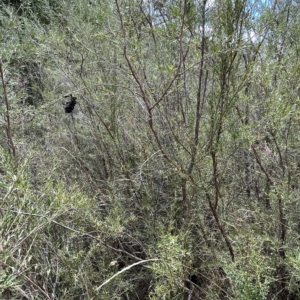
(177, 174)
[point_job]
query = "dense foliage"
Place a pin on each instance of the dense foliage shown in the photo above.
(176, 176)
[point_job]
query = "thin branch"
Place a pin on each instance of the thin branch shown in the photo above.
(11, 147)
(143, 93)
(220, 227)
(177, 73)
(257, 158)
(126, 269)
(200, 98)
(51, 220)
(38, 287)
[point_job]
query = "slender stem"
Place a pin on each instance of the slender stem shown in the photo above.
(126, 269)
(11, 146)
(200, 94)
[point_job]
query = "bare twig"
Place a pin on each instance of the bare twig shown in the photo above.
(126, 269)
(220, 227)
(86, 234)
(11, 145)
(144, 96)
(37, 287)
(200, 94)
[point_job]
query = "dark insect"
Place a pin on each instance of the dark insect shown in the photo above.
(69, 105)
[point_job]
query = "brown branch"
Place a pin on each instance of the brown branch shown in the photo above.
(172, 81)
(11, 145)
(261, 166)
(36, 286)
(282, 226)
(132, 70)
(215, 178)
(220, 227)
(200, 101)
(143, 93)
(278, 150)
